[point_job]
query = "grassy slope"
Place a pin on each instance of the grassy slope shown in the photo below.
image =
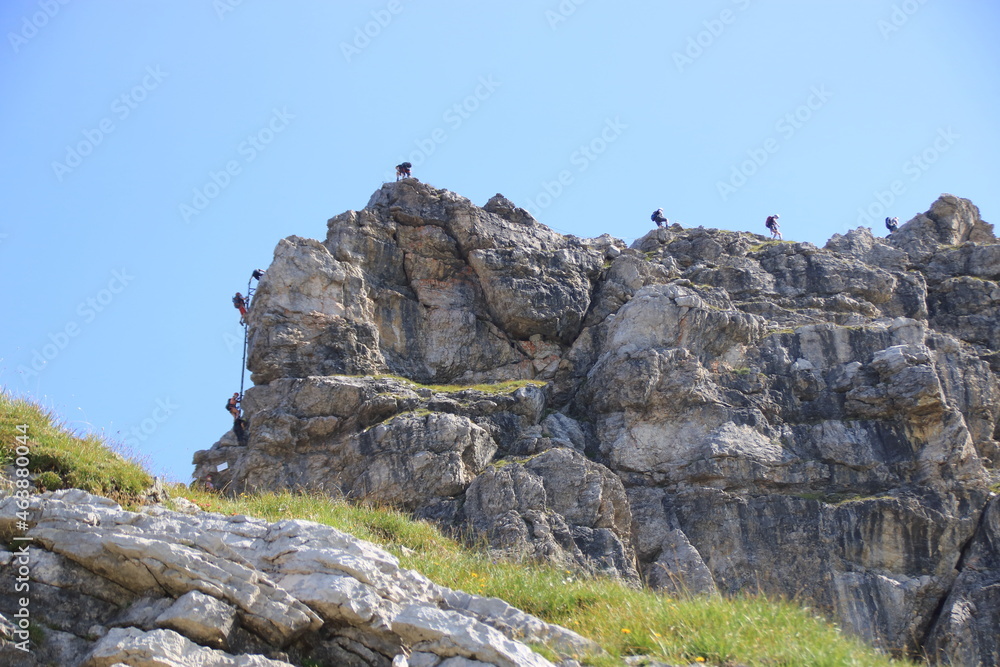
(66, 460)
(749, 630)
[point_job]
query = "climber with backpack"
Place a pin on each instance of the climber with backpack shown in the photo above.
(233, 405)
(241, 305)
(659, 218)
(892, 224)
(772, 224)
(403, 170)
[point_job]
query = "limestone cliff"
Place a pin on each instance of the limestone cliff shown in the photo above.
(706, 410)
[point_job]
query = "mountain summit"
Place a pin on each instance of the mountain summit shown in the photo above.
(707, 410)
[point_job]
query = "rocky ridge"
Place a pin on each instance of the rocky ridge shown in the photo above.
(706, 410)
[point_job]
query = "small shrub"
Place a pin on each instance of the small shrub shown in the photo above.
(48, 481)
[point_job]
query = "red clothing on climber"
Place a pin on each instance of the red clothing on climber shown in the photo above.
(241, 305)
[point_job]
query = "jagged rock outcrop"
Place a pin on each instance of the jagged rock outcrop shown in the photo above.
(966, 632)
(706, 411)
(558, 506)
(161, 588)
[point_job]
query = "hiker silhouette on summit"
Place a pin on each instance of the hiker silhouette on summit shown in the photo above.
(772, 224)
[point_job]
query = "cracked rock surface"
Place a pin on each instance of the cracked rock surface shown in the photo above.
(705, 410)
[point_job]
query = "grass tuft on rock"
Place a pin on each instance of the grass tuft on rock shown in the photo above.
(504, 387)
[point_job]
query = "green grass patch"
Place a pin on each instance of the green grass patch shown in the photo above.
(757, 247)
(387, 527)
(64, 459)
(510, 460)
(505, 387)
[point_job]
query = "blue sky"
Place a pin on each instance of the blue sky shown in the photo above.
(155, 152)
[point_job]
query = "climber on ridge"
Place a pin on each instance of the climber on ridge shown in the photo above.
(403, 170)
(257, 274)
(241, 305)
(892, 224)
(658, 217)
(772, 224)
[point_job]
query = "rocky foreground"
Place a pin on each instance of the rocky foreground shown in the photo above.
(706, 410)
(159, 588)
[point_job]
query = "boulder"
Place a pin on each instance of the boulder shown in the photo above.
(201, 618)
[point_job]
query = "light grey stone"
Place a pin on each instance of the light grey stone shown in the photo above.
(448, 633)
(201, 618)
(160, 648)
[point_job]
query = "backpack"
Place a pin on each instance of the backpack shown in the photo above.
(406, 165)
(653, 217)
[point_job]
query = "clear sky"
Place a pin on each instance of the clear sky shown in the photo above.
(154, 152)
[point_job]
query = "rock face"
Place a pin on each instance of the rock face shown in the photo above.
(705, 411)
(165, 589)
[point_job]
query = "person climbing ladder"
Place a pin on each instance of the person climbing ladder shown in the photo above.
(240, 430)
(241, 305)
(239, 424)
(233, 405)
